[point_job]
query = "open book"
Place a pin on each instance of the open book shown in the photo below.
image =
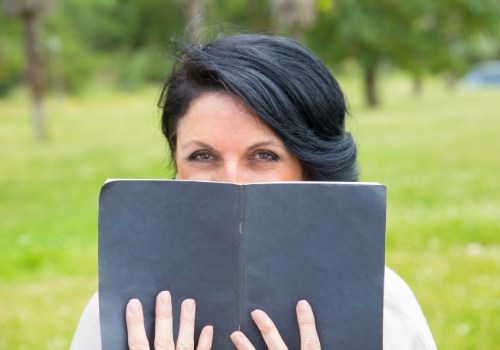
(237, 248)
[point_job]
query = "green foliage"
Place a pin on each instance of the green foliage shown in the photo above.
(136, 67)
(437, 155)
(106, 25)
(11, 55)
(423, 36)
(100, 37)
(97, 39)
(69, 66)
(117, 43)
(243, 15)
(419, 36)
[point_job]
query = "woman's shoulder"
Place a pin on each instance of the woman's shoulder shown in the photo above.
(88, 333)
(405, 326)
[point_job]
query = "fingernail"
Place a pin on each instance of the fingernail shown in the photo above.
(237, 338)
(304, 307)
(165, 297)
(258, 316)
(189, 304)
(134, 306)
(208, 330)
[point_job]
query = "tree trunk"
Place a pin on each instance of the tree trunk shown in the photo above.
(197, 9)
(370, 85)
(34, 72)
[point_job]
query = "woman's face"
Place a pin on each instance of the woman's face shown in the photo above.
(218, 139)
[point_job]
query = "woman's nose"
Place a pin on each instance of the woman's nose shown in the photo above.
(233, 172)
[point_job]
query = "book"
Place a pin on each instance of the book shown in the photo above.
(236, 248)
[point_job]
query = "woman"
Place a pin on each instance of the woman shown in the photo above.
(255, 108)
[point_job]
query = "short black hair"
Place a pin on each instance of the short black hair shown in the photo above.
(278, 80)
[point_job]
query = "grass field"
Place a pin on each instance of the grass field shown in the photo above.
(437, 153)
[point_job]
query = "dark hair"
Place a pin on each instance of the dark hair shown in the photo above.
(280, 81)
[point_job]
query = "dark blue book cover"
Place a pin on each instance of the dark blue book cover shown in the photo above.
(237, 248)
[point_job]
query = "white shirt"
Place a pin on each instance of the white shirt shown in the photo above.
(405, 326)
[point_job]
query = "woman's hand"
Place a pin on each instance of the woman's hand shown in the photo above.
(164, 339)
(309, 339)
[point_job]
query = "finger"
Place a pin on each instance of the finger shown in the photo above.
(185, 339)
(206, 337)
(164, 338)
(137, 339)
(241, 342)
(268, 330)
(309, 339)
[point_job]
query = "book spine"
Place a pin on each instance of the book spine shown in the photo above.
(241, 256)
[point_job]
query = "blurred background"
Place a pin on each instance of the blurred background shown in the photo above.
(79, 83)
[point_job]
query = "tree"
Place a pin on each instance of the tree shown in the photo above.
(196, 15)
(361, 31)
(294, 15)
(29, 12)
(419, 36)
(365, 31)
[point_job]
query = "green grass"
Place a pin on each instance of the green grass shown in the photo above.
(438, 155)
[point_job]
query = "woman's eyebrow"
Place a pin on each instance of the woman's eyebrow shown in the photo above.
(196, 143)
(267, 143)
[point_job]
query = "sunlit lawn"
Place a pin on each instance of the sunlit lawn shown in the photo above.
(438, 154)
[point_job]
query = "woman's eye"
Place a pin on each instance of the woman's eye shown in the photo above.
(265, 156)
(202, 156)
